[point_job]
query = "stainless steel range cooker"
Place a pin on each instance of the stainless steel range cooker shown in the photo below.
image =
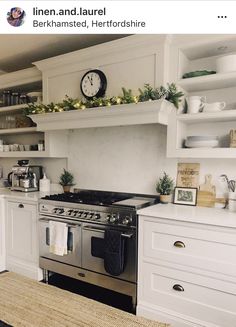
(88, 215)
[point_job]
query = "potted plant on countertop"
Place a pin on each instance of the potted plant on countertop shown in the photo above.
(165, 187)
(66, 180)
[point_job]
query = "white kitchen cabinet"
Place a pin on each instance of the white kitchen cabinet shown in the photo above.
(187, 266)
(22, 254)
(2, 235)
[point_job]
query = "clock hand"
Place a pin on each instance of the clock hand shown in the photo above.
(90, 80)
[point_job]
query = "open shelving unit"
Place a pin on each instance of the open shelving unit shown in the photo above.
(184, 125)
(202, 54)
(56, 146)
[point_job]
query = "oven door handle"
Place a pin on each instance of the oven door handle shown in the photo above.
(126, 235)
(68, 225)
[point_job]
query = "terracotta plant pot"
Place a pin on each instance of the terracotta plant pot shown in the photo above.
(66, 188)
(165, 198)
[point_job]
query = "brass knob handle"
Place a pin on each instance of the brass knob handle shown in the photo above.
(179, 244)
(178, 288)
(21, 205)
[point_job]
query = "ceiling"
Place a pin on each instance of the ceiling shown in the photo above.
(19, 51)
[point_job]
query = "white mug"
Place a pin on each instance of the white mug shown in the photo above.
(213, 107)
(6, 148)
(195, 104)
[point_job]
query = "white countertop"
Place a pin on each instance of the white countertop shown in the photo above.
(209, 216)
(23, 196)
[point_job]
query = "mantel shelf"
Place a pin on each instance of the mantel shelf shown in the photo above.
(150, 112)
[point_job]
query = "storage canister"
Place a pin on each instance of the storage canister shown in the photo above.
(226, 64)
(44, 184)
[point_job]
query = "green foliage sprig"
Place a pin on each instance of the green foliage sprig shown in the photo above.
(165, 185)
(66, 178)
(149, 93)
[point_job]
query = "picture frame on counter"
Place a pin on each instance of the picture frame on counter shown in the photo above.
(185, 196)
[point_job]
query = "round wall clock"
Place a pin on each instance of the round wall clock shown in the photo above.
(93, 84)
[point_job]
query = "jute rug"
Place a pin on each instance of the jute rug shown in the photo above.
(27, 303)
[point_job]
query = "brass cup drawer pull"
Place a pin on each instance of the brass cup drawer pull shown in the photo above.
(178, 288)
(179, 244)
(21, 205)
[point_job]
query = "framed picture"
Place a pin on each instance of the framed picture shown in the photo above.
(185, 195)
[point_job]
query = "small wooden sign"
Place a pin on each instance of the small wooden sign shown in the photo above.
(188, 175)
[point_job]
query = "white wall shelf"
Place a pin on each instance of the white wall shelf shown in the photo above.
(24, 130)
(149, 112)
(11, 109)
(221, 116)
(181, 126)
(208, 82)
(24, 154)
(20, 77)
(218, 153)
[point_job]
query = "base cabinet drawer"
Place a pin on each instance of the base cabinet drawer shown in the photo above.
(188, 294)
(196, 247)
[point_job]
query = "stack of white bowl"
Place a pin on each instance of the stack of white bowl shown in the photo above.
(202, 141)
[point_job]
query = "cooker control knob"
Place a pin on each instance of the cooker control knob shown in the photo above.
(114, 218)
(108, 217)
(61, 211)
(80, 213)
(55, 210)
(97, 216)
(127, 220)
(75, 212)
(69, 212)
(85, 214)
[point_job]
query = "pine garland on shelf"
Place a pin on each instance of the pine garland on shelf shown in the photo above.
(149, 93)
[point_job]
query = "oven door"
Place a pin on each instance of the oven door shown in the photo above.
(96, 264)
(73, 245)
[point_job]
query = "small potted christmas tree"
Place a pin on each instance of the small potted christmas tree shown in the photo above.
(66, 180)
(165, 187)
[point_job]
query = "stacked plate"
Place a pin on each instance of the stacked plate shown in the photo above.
(202, 141)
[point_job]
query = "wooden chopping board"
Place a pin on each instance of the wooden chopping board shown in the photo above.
(206, 196)
(206, 199)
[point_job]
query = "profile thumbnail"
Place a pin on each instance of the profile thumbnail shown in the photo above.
(16, 16)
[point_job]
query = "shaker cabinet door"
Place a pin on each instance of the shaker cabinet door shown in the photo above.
(21, 228)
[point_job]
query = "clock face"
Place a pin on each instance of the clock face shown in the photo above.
(93, 84)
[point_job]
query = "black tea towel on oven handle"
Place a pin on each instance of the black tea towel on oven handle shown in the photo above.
(114, 252)
(97, 247)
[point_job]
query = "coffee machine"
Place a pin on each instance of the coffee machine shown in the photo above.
(24, 177)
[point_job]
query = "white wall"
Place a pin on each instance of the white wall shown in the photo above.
(128, 158)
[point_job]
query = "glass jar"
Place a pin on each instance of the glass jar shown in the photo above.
(15, 98)
(6, 98)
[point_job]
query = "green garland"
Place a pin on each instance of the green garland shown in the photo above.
(170, 93)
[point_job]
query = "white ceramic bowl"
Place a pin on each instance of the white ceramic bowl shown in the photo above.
(226, 64)
(200, 138)
(202, 144)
